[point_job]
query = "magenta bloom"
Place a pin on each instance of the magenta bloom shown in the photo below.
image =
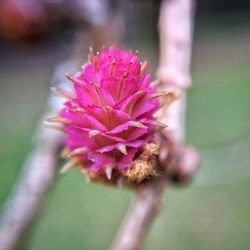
(110, 115)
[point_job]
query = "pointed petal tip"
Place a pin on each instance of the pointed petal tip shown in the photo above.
(72, 78)
(66, 73)
(144, 66)
(58, 127)
(171, 96)
(108, 171)
(69, 76)
(64, 152)
(108, 108)
(160, 124)
(78, 151)
(57, 119)
(93, 133)
(122, 148)
(62, 92)
(137, 124)
(67, 166)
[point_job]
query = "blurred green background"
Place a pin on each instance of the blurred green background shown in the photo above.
(211, 213)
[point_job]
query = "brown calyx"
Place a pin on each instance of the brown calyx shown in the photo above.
(146, 165)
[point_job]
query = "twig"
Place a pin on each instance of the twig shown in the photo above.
(175, 50)
(176, 25)
(29, 191)
(37, 172)
(36, 176)
(140, 215)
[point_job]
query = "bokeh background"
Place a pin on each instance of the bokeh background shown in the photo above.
(211, 213)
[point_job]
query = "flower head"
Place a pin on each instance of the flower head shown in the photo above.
(109, 117)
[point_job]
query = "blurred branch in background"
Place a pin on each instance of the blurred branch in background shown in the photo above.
(36, 177)
(39, 169)
(176, 22)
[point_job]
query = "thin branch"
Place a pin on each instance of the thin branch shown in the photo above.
(176, 27)
(38, 172)
(140, 216)
(175, 49)
(36, 175)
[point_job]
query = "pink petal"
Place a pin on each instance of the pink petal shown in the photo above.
(127, 159)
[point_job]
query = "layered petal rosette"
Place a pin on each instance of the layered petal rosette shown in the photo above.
(109, 117)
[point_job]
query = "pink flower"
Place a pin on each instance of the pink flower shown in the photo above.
(109, 117)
